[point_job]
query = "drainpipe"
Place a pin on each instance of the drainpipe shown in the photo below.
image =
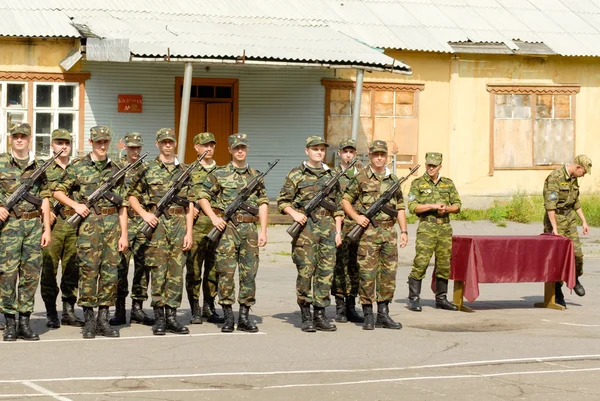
(185, 111)
(357, 99)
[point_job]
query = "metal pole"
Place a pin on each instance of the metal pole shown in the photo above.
(357, 98)
(185, 111)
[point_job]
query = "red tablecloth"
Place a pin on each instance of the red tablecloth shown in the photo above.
(511, 259)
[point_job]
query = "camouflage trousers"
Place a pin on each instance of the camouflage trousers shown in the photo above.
(141, 275)
(201, 256)
(63, 250)
(164, 257)
(313, 253)
(238, 247)
(20, 263)
(377, 264)
(432, 239)
(97, 258)
(567, 227)
(346, 277)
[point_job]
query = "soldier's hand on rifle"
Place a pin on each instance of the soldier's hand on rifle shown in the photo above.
(187, 242)
(150, 218)
(362, 221)
(123, 243)
(81, 209)
(298, 217)
(196, 212)
(3, 213)
(45, 239)
(52, 218)
(219, 223)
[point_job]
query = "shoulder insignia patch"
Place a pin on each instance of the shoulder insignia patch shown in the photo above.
(552, 196)
(411, 197)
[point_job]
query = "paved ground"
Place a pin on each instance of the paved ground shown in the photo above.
(506, 350)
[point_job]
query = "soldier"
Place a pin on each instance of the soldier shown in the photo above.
(203, 250)
(313, 251)
(561, 199)
(21, 257)
(432, 198)
(345, 273)
(164, 252)
(62, 247)
(378, 246)
(100, 236)
(239, 243)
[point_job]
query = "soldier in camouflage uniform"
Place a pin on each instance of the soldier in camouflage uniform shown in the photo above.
(62, 248)
(345, 274)
(561, 199)
(313, 251)
(432, 198)
(164, 252)
(378, 246)
(100, 236)
(21, 257)
(203, 250)
(239, 243)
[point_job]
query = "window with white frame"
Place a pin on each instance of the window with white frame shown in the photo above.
(13, 109)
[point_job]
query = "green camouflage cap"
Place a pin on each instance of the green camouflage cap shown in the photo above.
(61, 133)
(315, 140)
(165, 133)
(433, 158)
(99, 133)
(347, 143)
(236, 140)
(378, 146)
(22, 128)
(584, 162)
(204, 138)
(133, 139)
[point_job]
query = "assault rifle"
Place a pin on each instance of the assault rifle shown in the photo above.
(319, 200)
(380, 205)
(240, 203)
(162, 207)
(22, 193)
(104, 191)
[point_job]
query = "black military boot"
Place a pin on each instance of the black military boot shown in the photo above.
(559, 297)
(229, 320)
(24, 330)
(89, 328)
(69, 318)
(307, 319)
(103, 328)
(320, 321)
(414, 293)
(173, 326)
(369, 323)
(244, 322)
(52, 320)
(441, 301)
(340, 310)
(383, 317)
(160, 324)
(210, 313)
(351, 312)
(10, 331)
(579, 290)
(196, 311)
(138, 315)
(119, 317)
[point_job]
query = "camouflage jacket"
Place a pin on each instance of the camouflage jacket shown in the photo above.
(561, 191)
(12, 175)
(55, 173)
(131, 174)
(423, 190)
(346, 177)
(197, 178)
(302, 184)
(366, 187)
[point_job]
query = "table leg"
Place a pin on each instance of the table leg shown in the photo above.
(458, 299)
(549, 298)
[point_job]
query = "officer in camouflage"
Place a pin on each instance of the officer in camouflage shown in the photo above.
(203, 250)
(313, 251)
(21, 259)
(561, 200)
(139, 288)
(239, 243)
(164, 252)
(432, 198)
(378, 246)
(100, 236)
(62, 247)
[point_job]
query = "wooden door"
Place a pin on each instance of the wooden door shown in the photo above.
(219, 122)
(196, 125)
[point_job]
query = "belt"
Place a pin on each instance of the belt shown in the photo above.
(171, 210)
(238, 218)
(385, 223)
(322, 213)
(27, 215)
(105, 211)
(564, 212)
(435, 219)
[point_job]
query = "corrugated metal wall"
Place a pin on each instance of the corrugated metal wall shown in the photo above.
(278, 108)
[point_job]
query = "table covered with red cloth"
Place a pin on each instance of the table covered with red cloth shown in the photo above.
(511, 259)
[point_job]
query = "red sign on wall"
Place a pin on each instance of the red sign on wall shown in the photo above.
(130, 104)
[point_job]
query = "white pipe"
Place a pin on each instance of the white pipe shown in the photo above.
(185, 111)
(357, 99)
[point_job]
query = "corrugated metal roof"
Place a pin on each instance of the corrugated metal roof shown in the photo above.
(30, 23)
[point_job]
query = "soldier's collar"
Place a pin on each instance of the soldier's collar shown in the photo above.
(566, 171)
(209, 166)
(107, 160)
(305, 164)
(386, 174)
(30, 157)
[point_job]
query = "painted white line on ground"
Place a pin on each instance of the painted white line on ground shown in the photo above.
(572, 324)
(45, 391)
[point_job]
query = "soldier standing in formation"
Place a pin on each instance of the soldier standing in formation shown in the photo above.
(239, 243)
(432, 198)
(313, 251)
(561, 200)
(100, 236)
(164, 252)
(203, 250)
(62, 247)
(378, 246)
(21, 257)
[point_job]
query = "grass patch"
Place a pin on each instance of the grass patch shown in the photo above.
(591, 208)
(282, 253)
